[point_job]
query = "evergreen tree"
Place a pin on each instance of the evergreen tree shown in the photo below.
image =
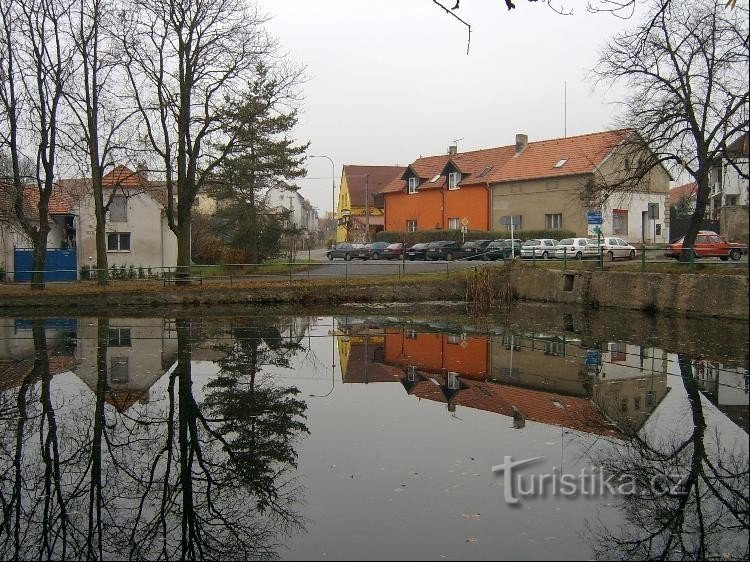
(263, 155)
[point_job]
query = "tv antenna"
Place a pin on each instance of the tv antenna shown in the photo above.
(455, 142)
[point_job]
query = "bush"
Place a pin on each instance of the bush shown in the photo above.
(2, 273)
(430, 235)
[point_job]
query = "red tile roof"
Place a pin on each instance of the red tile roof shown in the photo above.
(582, 154)
(376, 177)
(688, 190)
(13, 375)
(122, 176)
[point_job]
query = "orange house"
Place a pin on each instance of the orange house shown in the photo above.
(444, 192)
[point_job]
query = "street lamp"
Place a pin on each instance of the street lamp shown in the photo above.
(332, 333)
(333, 181)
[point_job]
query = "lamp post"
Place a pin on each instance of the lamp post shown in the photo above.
(333, 181)
(332, 333)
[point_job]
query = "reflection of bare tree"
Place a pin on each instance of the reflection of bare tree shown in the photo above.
(35, 519)
(195, 492)
(692, 493)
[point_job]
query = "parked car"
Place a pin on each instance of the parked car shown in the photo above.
(417, 251)
(708, 244)
(443, 250)
(375, 249)
(347, 251)
(539, 248)
(613, 248)
(575, 248)
(474, 249)
(394, 251)
(503, 248)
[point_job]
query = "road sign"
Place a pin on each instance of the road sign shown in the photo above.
(593, 357)
(594, 217)
(464, 222)
(593, 230)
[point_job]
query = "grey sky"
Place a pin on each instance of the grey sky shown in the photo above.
(390, 80)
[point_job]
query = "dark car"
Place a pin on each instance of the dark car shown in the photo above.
(375, 249)
(393, 251)
(347, 251)
(503, 248)
(417, 251)
(444, 250)
(475, 249)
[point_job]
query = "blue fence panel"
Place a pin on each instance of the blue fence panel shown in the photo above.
(60, 265)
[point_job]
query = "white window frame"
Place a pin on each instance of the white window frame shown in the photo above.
(120, 337)
(413, 185)
(553, 221)
(411, 373)
(453, 382)
(411, 225)
(453, 179)
(454, 223)
(620, 219)
(119, 238)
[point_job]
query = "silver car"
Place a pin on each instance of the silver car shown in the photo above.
(539, 248)
(613, 248)
(574, 248)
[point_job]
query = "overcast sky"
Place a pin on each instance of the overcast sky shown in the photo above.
(390, 81)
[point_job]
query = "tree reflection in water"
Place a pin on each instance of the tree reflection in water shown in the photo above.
(177, 481)
(694, 500)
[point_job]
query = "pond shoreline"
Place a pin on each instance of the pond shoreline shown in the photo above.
(689, 295)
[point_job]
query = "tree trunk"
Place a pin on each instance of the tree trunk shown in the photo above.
(183, 246)
(688, 243)
(40, 258)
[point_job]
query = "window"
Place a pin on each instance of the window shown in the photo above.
(637, 403)
(650, 399)
(454, 223)
(118, 370)
(453, 179)
(411, 334)
(560, 163)
(413, 183)
(411, 225)
(730, 200)
(411, 373)
(453, 382)
(516, 219)
(553, 221)
(620, 221)
(118, 242)
(454, 339)
(119, 337)
(118, 209)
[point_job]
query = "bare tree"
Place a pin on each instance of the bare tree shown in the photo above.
(686, 68)
(187, 62)
(98, 113)
(35, 64)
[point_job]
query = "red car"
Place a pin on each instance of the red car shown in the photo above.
(708, 244)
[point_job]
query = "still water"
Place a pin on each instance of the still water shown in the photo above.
(361, 436)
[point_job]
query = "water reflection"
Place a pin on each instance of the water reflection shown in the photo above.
(146, 438)
(153, 477)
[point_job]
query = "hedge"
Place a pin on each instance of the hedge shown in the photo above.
(430, 235)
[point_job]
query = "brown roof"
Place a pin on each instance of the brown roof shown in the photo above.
(13, 374)
(688, 190)
(376, 178)
(740, 147)
(582, 155)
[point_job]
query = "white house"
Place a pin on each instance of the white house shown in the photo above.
(728, 186)
(303, 215)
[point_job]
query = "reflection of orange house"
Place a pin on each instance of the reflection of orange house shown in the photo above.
(435, 352)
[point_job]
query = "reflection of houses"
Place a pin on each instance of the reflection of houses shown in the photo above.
(18, 356)
(545, 378)
(139, 351)
(726, 386)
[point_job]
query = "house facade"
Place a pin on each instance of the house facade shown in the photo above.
(136, 228)
(533, 185)
(302, 214)
(729, 177)
(360, 203)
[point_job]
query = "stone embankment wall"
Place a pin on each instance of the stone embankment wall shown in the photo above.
(695, 295)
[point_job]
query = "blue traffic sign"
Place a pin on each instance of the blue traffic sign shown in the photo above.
(593, 357)
(594, 217)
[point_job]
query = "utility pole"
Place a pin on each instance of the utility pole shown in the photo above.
(367, 208)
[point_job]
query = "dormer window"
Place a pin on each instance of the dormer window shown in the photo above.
(560, 163)
(453, 179)
(413, 183)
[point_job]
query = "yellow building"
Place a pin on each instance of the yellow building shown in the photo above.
(360, 204)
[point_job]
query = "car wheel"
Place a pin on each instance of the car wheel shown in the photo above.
(449, 256)
(579, 256)
(632, 254)
(735, 254)
(376, 256)
(330, 256)
(610, 256)
(545, 256)
(411, 258)
(348, 257)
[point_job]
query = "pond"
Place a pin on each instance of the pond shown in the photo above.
(543, 432)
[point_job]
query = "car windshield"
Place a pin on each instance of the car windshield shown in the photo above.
(420, 246)
(567, 241)
(531, 243)
(395, 246)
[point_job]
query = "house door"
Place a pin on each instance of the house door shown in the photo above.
(60, 265)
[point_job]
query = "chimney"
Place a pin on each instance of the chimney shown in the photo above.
(522, 141)
(142, 172)
(452, 149)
